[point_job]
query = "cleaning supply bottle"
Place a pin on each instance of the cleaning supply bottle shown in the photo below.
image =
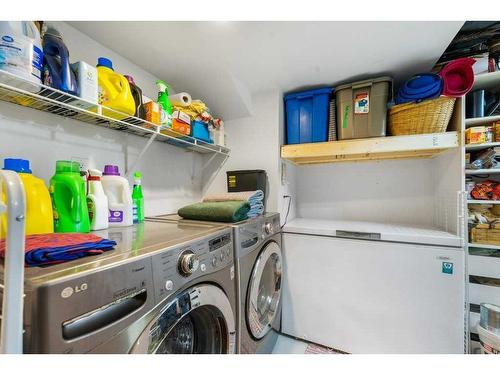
(97, 201)
(39, 218)
(67, 190)
(114, 91)
(137, 94)
(138, 199)
(164, 102)
(57, 71)
(119, 196)
(21, 50)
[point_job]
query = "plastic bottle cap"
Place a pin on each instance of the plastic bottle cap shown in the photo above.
(17, 165)
(137, 175)
(66, 166)
(111, 170)
(107, 63)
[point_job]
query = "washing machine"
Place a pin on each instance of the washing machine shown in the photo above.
(166, 288)
(258, 260)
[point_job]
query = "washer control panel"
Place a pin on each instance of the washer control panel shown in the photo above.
(175, 267)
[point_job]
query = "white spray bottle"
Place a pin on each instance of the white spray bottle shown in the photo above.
(97, 201)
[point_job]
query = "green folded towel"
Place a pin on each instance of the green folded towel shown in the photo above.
(227, 212)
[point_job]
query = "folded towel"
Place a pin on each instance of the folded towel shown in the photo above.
(458, 77)
(420, 87)
(227, 212)
(256, 210)
(53, 248)
(249, 196)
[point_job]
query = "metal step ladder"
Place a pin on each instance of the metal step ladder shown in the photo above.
(11, 331)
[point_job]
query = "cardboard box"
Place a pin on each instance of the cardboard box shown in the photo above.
(181, 127)
(152, 112)
(182, 117)
(475, 135)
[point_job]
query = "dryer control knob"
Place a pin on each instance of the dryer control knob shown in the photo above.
(188, 263)
(214, 261)
(169, 285)
(268, 228)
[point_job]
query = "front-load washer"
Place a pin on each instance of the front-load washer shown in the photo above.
(258, 259)
(165, 288)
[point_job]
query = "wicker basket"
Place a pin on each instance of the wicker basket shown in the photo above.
(429, 116)
(488, 236)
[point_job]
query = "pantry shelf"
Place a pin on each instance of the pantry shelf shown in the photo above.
(469, 122)
(473, 201)
(483, 246)
(482, 171)
(25, 93)
(481, 146)
(381, 148)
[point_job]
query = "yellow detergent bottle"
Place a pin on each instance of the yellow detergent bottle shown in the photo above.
(114, 91)
(39, 217)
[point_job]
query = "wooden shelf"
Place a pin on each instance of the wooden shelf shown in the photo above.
(382, 148)
(477, 121)
(480, 146)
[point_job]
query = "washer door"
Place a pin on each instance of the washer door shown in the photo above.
(199, 320)
(264, 290)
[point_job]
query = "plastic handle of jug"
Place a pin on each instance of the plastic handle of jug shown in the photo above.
(76, 204)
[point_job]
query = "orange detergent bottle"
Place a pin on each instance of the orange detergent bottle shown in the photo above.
(114, 91)
(39, 217)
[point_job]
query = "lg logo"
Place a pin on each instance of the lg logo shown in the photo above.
(68, 291)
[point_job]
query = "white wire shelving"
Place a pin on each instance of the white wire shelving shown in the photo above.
(17, 90)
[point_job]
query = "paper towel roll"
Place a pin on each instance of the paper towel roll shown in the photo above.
(182, 99)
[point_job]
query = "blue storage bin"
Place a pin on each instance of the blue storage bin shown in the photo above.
(307, 116)
(199, 130)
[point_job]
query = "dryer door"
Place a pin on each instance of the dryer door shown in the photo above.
(264, 290)
(199, 320)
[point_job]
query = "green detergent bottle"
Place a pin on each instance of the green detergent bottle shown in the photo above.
(138, 199)
(69, 202)
(164, 101)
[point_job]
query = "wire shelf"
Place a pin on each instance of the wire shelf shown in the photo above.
(17, 90)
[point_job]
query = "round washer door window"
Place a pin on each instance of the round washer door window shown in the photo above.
(264, 290)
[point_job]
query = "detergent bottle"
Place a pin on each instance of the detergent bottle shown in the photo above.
(114, 91)
(97, 202)
(119, 196)
(165, 103)
(137, 94)
(138, 199)
(39, 219)
(57, 71)
(67, 190)
(21, 50)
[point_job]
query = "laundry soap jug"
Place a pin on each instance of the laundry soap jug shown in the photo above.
(119, 196)
(114, 91)
(39, 219)
(86, 77)
(69, 203)
(137, 94)
(166, 116)
(97, 201)
(57, 71)
(21, 50)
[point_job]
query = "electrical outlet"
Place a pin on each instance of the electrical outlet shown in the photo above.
(83, 161)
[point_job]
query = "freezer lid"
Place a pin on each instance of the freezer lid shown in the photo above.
(372, 231)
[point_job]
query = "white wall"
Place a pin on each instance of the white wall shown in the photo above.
(255, 144)
(43, 138)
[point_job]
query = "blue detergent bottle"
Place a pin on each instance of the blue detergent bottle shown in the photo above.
(57, 72)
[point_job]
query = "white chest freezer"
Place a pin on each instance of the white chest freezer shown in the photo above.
(394, 289)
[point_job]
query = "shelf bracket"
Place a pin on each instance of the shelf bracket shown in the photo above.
(141, 154)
